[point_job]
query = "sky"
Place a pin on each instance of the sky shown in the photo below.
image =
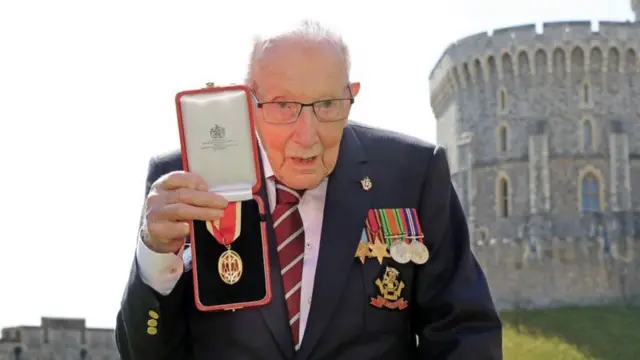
(86, 97)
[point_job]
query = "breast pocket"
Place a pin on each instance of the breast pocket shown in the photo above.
(388, 295)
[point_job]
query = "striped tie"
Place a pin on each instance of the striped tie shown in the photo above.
(287, 225)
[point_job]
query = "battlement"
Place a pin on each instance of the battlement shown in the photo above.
(531, 36)
(561, 31)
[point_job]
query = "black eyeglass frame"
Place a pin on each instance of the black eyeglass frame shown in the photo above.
(260, 105)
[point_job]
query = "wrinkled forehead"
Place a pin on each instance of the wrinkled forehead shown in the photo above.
(304, 70)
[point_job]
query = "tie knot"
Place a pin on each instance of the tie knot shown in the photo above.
(286, 195)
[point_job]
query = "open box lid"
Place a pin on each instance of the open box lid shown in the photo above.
(218, 139)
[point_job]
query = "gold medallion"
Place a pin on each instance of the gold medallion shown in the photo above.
(419, 252)
(230, 267)
(400, 252)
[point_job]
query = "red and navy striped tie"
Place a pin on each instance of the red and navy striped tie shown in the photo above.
(289, 232)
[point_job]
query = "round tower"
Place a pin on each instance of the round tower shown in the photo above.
(542, 134)
(635, 7)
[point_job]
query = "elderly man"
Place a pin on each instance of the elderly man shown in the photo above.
(355, 180)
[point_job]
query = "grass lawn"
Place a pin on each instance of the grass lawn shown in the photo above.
(593, 333)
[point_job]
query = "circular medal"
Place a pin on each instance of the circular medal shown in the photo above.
(419, 252)
(230, 267)
(400, 252)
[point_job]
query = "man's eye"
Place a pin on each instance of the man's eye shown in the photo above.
(327, 103)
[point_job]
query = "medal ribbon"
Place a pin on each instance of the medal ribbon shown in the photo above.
(402, 223)
(364, 237)
(227, 229)
(389, 226)
(373, 225)
(414, 224)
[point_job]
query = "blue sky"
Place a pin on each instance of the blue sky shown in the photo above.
(87, 97)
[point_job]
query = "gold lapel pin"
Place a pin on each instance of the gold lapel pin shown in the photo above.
(366, 183)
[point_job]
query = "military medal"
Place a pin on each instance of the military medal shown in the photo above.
(377, 246)
(226, 230)
(395, 235)
(419, 252)
(401, 252)
(363, 250)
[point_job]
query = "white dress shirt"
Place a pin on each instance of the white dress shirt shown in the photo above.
(162, 271)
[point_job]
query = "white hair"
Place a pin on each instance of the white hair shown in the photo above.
(307, 30)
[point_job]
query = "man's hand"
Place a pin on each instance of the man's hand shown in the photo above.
(173, 201)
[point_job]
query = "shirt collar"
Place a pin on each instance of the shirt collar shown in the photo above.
(266, 165)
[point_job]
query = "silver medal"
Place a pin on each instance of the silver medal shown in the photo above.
(419, 252)
(401, 252)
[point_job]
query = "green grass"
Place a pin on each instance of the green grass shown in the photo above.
(593, 333)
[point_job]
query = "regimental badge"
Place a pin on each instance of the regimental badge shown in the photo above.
(366, 183)
(390, 287)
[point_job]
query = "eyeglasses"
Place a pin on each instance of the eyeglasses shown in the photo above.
(287, 112)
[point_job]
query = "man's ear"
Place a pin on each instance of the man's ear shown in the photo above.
(355, 88)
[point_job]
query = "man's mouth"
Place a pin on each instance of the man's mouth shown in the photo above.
(304, 159)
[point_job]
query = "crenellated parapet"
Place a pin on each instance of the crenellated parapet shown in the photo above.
(522, 55)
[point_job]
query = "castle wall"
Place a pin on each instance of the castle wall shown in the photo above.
(635, 182)
(568, 273)
(528, 98)
(58, 338)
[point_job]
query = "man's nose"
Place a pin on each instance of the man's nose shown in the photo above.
(305, 132)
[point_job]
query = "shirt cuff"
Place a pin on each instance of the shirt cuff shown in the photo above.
(159, 271)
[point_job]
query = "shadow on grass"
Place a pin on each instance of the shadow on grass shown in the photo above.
(604, 333)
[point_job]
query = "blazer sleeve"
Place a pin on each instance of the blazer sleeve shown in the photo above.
(150, 325)
(455, 317)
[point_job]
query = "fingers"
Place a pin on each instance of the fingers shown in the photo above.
(168, 230)
(196, 198)
(181, 179)
(176, 199)
(186, 212)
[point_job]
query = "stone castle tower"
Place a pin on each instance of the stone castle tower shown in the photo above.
(58, 339)
(542, 130)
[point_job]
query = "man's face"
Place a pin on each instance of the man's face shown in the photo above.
(304, 152)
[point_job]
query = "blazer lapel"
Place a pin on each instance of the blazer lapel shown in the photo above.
(346, 207)
(275, 312)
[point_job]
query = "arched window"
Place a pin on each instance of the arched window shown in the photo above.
(17, 353)
(503, 197)
(585, 94)
(587, 135)
(502, 100)
(590, 193)
(482, 234)
(502, 138)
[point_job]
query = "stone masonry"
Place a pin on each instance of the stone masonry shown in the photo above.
(58, 339)
(542, 132)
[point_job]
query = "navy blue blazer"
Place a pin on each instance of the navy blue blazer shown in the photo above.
(450, 310)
